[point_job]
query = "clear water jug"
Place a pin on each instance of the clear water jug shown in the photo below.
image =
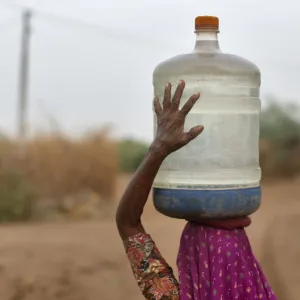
(216, 175)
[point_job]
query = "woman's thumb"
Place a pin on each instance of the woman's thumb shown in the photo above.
(194, 132)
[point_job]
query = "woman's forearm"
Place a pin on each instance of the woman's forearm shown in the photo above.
(132, 203)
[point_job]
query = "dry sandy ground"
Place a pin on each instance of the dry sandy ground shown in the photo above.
(86, 261)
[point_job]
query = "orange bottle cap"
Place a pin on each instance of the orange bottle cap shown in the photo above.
(206, 22)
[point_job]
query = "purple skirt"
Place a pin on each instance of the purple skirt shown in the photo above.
(217, 264)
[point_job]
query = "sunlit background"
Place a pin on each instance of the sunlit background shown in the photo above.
(89, 123)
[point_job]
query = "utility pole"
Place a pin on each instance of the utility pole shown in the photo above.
(24, 74)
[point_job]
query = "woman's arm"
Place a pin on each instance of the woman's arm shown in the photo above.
(136, 194)
(169, 138)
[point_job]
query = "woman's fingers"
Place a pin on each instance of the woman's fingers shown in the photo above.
(175, 102)
(157, 106)
(177, 95)
(189, 104)
(193, 133)
(167, 97)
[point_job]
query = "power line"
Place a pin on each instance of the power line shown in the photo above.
(118, 34)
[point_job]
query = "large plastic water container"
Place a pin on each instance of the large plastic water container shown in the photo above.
(218, 174)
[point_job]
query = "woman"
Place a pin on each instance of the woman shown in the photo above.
(215, 260)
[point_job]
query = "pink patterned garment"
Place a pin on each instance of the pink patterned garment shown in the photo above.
(217, 264)
(213, 264)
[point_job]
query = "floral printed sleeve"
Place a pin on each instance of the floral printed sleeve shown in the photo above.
(154, 276)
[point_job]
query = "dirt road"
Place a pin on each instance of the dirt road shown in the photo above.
(86, 261)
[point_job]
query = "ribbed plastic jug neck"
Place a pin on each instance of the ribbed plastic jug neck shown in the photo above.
(207, 41)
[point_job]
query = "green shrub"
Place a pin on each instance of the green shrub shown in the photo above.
(280, 123)
(280, 129)
(131, 154)
(16, 198)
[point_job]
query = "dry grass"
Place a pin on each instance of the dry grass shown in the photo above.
(280, 160)
(62, 166)
(63, 171)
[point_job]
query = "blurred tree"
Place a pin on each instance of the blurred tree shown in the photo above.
(131, 153)
(16, 198)
(280, 132)
(280, 122)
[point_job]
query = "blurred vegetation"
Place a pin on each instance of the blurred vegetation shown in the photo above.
(131, 153)
(17, 199)
(280, 122)
(56, 176)
(280, 140)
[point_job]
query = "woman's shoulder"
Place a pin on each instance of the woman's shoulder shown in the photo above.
(153, 274)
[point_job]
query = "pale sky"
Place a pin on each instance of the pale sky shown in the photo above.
(88, 76)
